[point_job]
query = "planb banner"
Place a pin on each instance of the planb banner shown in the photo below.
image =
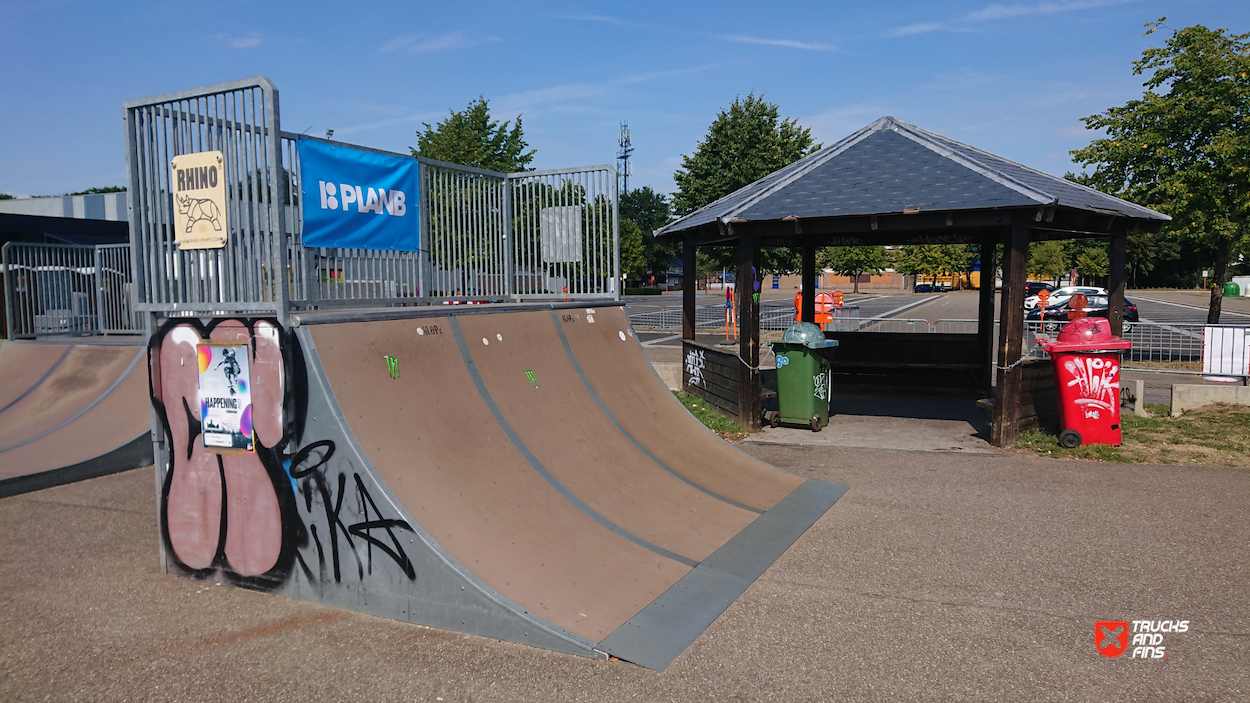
(355, 199)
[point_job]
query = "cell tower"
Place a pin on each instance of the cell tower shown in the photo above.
(623, 168)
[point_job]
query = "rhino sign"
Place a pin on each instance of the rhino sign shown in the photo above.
(199, 209)
(198, 181)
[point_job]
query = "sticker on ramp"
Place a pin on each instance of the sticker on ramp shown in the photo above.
(392, 366)
(530, 376)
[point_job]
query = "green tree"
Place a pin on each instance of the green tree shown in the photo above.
(471, 138)
(1184, 147)
(1093, 261)
(633, 262)
(650, 211)
(6, 196)
(1047, 259)
(932, 259)
(97, 191)
(743, 144)
(853, 261)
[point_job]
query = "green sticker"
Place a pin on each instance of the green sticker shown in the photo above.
(530, 376)
(392, 366)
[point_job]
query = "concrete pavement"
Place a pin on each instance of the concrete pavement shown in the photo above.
(937, 577)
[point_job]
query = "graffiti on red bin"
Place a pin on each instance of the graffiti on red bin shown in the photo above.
(236, 515)
(1097, 381)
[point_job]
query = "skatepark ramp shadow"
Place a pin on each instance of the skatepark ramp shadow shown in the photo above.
(517, 472)
(71, 410)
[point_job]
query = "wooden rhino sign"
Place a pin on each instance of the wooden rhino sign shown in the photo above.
(199, 186)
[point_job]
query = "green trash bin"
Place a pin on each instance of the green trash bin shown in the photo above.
(1231, 290)
(802, 377)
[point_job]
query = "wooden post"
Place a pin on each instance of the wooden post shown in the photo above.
(748, 333)
(1006, 427)
(808, 313)
(687, 288)
(985, 313)
(1115, 283)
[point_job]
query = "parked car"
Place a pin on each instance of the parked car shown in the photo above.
(1061, 295)
(1035, 287)
(1056, 316)
(923, 288)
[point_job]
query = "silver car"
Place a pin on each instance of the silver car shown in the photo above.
(1061, 295)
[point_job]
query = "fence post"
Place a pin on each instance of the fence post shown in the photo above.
(8, 290)
(98, 276)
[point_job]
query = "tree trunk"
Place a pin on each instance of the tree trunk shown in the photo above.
(1222, 252)
(856, 288)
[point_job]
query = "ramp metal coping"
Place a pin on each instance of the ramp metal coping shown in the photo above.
(660, 632)
(537, 465)
(69, 348)
(568, 349)
(121, 377)
(317, 371)
(329, 317)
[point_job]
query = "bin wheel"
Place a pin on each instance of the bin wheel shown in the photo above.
(1069, 439)
(772, 418)
(815, 423)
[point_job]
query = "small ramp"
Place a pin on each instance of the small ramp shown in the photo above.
(477, 470)
(71, 410)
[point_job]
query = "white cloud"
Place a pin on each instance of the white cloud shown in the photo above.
(241, 41)
(425, 43)
(997, 11)
(787, 43)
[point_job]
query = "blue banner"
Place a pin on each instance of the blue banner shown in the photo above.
(357, 199)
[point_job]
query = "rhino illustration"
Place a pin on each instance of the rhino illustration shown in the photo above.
(198, 210)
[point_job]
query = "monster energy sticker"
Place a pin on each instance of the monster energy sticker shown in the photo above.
(392, 367)
(225, 396)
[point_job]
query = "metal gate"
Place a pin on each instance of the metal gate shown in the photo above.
(66, 289)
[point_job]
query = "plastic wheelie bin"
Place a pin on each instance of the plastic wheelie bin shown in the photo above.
(1231, 290)
(1087, 381)
(802, 377)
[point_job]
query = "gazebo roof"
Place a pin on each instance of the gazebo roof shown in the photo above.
(892, 167)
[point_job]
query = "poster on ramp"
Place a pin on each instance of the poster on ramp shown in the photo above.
(225, 397)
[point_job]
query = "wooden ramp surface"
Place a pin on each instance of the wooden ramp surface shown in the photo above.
(71, 410)
(546, 458)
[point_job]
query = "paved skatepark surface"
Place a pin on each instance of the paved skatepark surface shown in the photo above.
(70, 410)
(936, 577)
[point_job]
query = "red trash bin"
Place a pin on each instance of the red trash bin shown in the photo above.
(1087, 381)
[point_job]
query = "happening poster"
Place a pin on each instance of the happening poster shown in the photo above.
(225, 396)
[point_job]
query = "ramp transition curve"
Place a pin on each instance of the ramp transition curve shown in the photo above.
(71, 410)
(519, 473)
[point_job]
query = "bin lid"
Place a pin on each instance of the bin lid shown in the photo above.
(808, 334)
(1086, 334)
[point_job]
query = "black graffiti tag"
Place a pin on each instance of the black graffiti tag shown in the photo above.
(307, 466)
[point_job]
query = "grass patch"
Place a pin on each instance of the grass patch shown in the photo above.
(1216, 434)
(710, 417)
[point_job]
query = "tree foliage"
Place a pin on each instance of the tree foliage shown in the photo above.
(1047, 259)
(650, 211)
(1184, 147)
(471, 138)
(97, 191)
(6, 196)
(743, 144)
(932, 259)
(633, 260)
(853, 261)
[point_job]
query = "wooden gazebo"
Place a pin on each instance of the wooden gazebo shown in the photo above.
(892, 183)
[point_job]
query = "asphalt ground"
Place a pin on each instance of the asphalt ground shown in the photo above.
(936, 577)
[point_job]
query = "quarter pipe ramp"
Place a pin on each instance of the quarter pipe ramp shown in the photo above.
(519, 473)
(71, 410)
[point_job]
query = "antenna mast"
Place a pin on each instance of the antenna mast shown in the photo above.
(623, 168)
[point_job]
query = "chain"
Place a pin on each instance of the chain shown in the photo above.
(1019, 361)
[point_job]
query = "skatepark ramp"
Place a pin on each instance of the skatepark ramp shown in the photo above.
(518, 472)
(71, 410)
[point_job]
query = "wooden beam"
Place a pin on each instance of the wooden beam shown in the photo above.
(748, 333)
(1115, 283)
(985, 314)
(808, 313)
(688, 292)
(1006, 427)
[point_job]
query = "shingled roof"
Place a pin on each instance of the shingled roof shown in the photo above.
(891, 167)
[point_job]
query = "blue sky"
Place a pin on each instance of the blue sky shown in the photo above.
(1012, 78)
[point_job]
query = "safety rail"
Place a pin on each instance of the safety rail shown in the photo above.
(67, 289)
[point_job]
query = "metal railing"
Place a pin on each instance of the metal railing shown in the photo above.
(67, 289)
(484, 235)
(564, 234)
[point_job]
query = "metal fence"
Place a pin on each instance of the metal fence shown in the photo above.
(66, 289)
(484, 235)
